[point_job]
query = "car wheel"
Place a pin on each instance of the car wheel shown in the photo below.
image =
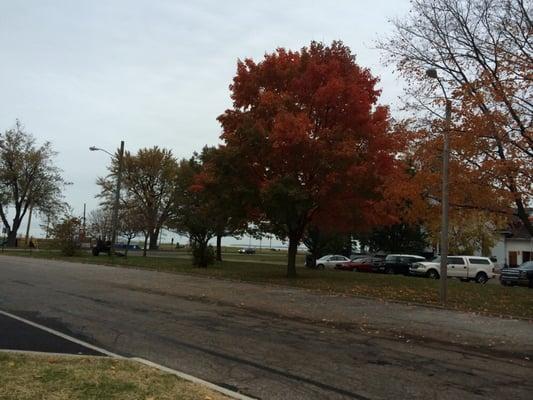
(389, 270)
(531, 283)
(320, 266)
(504, 283)
(433, 274)
(95, 251)
(482, 278)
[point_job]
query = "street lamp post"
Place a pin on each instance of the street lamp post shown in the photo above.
(432, 73)
(114, 221)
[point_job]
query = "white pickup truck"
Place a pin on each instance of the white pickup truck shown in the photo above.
(466, 268)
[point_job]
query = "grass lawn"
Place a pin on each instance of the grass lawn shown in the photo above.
(492, 299)
(51, 377)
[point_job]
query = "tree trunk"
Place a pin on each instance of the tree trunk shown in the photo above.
(199, 248)
(145, 244)
(127, 247)
(293, 249)
(154, 235)
(203, 256)
(12, 238)
(219, 247)
(523, 215)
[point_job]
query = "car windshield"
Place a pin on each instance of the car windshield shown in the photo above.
(436, 259)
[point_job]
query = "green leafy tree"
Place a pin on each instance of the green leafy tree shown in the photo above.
(471, 231)
(227, 213)
(67, 234)
(398, 238)
(320, 243)
(195, 213)
(148, 180)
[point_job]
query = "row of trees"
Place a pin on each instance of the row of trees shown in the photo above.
(308, 152)
(159, 191)
(307, 148)
(306, 145)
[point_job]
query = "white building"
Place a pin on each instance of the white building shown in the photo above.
(515, 245)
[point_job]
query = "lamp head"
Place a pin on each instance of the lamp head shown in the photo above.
(93, 148)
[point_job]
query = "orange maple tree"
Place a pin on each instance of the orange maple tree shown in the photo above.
(482, 52)
(310, 140)
(475, 191)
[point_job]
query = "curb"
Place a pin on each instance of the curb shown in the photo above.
(42, 353)
(190, 378)
(182, 375)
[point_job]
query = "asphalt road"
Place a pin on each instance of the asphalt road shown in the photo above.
(17, 335)
(273, 343)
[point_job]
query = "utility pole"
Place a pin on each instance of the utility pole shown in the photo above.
(84, 221)
(443, 287)
(445, 206)
(29, 224)
(117, 197)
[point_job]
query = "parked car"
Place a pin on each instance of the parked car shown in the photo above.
(522, 275)
(400, 263)
(247, 250)
(366, 264)
(331, 261)
(479, 269)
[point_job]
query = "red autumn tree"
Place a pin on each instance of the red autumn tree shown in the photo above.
(310, 141)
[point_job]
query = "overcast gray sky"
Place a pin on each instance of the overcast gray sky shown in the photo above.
(82, 73)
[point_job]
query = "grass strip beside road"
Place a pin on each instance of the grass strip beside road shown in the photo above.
(490, 299)
(52, 377)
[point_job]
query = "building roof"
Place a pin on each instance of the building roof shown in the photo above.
(517, 229)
